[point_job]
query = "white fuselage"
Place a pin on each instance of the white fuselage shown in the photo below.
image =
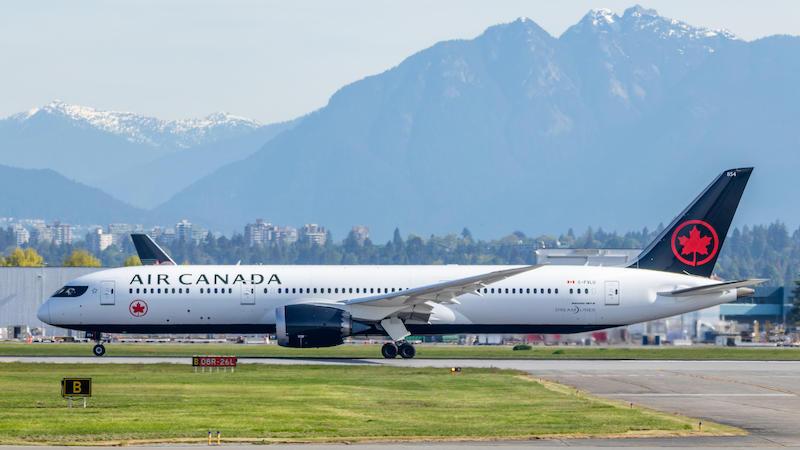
(243, 299)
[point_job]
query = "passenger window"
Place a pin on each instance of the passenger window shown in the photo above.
(492, 290)
(180, 290)
(215, 290)
(556, 290)
(137, 290)
(528, 290)
(514, 290)
(548, 290)
(570, 290)
(280, 290)
(351, 290)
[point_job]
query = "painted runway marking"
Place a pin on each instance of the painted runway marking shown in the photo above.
(664, 394)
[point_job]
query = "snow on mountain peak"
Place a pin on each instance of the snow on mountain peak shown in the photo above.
(639, 11)
(648, 19)
(147, 130)
(638, 18)
(602, 16)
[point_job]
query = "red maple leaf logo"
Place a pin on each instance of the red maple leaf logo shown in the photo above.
(138, 308)
(695, 244)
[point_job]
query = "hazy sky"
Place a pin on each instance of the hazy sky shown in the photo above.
(271, 60)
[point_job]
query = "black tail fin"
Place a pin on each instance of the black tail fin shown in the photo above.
(149, 252)
(691, 243)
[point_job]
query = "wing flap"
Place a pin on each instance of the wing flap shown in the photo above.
(445, 292)
(713, 288)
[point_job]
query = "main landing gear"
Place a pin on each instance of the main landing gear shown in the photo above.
(390, 350)
(99, 349)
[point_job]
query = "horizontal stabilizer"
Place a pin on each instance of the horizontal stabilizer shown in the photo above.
(713, 288)
(149, 252)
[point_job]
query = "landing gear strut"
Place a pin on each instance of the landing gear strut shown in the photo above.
(390, 350)
(99, 349)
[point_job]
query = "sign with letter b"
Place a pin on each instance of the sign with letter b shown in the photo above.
(76, 387)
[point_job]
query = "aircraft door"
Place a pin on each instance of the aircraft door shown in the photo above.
(107, 295)
(612, 293)
(248, 295)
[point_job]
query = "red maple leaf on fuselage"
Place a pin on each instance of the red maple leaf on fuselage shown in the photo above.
(695, 244)
(138, 308)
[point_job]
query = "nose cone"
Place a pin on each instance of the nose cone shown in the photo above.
(44, 312)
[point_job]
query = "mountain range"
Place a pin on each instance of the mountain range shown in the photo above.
(139, 159)
(618, 122)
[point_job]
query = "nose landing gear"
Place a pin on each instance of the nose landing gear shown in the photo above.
(391, 350)
(99, 349)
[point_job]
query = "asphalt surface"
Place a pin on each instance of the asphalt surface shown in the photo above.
(762, 397)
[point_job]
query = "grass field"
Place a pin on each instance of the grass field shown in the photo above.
(171, 403)
(423, 351)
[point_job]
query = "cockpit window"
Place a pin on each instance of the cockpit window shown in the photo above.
(71, 291)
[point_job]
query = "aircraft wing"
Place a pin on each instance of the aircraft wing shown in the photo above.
(149, 252)
(443, 292)
(713, 288)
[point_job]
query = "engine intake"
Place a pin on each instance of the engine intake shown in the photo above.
(308, 325)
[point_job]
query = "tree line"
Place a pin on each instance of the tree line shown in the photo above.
(766, 251)
(761, 251)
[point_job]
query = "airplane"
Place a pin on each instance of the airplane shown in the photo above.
(321, 306)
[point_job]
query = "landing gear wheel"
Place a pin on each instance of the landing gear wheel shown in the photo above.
(389, 350)
(99, 350)
(406, 350)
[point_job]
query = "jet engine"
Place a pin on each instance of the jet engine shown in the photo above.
(312, 325)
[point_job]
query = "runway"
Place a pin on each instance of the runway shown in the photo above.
(762, 397)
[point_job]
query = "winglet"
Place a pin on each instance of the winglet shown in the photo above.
(149, 252)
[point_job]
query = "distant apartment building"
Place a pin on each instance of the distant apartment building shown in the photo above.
(285, 235)
(62, 233)
(199, 234)
(41, 233)
(183, 231)
(259, 233)
(98, 241)
(121, 232)
(313, 233)
(21, 235)
(360, 233)
(167, 236)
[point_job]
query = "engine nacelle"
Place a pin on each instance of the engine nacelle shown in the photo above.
(310, 325)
